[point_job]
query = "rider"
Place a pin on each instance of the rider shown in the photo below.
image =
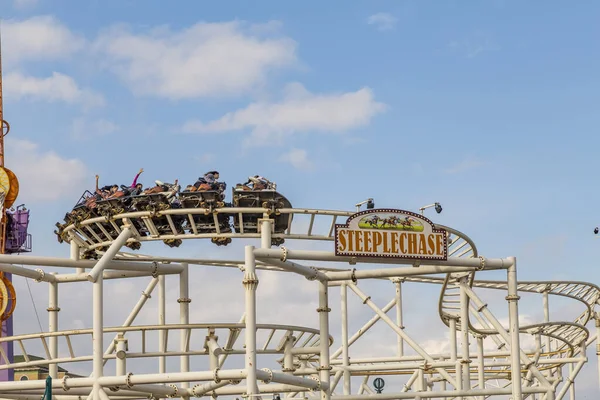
(208, 181)
(259, 182)
(136, 188)
(105, 191)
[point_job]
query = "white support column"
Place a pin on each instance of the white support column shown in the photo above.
(121, 361)
(75, 256)
(399, 316)
(454, 353)
(481, 365)
(53, 310)
(572, 386)
(97, 332)
(250, 283)
(162, 360)
(324, 367)
(184, 319)
(464, 328)
(546, 318)
(513, 321)
(345, 356)
(266, 226)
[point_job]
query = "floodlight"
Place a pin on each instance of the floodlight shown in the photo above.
(438, 207)
(369, 202)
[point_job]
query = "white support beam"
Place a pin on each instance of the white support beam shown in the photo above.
(109, 255)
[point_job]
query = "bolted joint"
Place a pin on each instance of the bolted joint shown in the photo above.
(128, 380)
(65, 387)
(512, 297)
(323, 309)
(270, 375)
(42, 275)
(216, 375)
(314, 275)
(184, 300)
(314, 378)
(322, 368)
(463, 361)
(175, 391)
(53, 309)
(155, 270)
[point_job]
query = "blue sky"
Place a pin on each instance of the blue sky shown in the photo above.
(487, 107)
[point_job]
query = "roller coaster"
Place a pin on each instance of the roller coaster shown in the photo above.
(486, 357)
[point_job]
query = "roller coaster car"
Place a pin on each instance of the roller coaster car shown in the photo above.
(205, 223)
(118, 203)
(269, 199)
(85, 207)
(160, 197)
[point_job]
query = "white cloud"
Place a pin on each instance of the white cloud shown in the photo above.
(43, 174)
(37, 38)
(298, 158)
(383, 21)
(206, 59)
(299, 111)
(83, 128)
(57, 87)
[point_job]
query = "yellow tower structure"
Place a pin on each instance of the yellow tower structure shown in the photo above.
(9, 190)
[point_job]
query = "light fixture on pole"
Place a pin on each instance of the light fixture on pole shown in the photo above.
(369, 202)
(438, 208)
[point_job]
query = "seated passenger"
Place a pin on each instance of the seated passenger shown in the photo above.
(105, 191)
(136, 188)
(208, 181)
(258, 182)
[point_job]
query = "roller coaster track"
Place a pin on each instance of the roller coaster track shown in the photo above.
(94, 234)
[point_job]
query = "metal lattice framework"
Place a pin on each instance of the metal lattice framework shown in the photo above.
(296, 361)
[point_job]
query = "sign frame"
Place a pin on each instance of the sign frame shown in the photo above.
(423, 219)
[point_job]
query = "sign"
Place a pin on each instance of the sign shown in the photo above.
(379, 383)
(390, 233)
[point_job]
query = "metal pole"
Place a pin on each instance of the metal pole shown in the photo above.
(53, 310)
(184, 319)
(454, 353)
(345, 357)
(399, 319)
(324, 368)
(250, 283)
(75, 256)
(513, 318)
(464, 328)
(546, 318)
(265, 232)
(162, 360)
(97, 331)
(121, 367)
(481, 366)
(112, 251)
